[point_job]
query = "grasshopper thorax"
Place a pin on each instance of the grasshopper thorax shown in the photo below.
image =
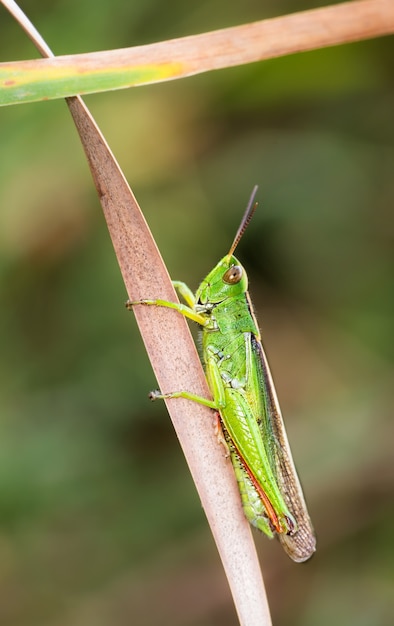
(227, 280)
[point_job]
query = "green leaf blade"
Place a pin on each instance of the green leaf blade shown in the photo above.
(35, 83)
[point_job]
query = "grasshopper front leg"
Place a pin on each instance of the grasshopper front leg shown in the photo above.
(181, 308)
(185, 310)
(185, 292)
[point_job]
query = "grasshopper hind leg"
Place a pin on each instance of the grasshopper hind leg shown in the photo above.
(252, 504)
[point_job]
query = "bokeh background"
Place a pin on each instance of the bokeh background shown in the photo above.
(99, 520)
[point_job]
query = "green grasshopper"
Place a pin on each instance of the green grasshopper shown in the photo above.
(250, 423)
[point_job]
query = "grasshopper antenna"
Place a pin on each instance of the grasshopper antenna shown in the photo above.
(250, 209)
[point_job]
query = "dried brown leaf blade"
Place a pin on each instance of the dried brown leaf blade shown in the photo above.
(176, 364)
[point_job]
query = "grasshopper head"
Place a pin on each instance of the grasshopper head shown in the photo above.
(227, 280)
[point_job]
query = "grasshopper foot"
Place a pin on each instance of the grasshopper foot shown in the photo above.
(129, 304)
(155, 395)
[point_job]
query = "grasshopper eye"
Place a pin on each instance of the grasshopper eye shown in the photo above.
(233, 275)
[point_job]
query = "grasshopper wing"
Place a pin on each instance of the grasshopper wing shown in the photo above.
(300, 544)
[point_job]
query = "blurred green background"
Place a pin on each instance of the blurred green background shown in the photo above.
(99, 520)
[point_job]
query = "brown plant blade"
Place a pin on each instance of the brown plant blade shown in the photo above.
(166, 333)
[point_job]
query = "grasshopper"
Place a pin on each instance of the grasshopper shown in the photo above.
(250, 423)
